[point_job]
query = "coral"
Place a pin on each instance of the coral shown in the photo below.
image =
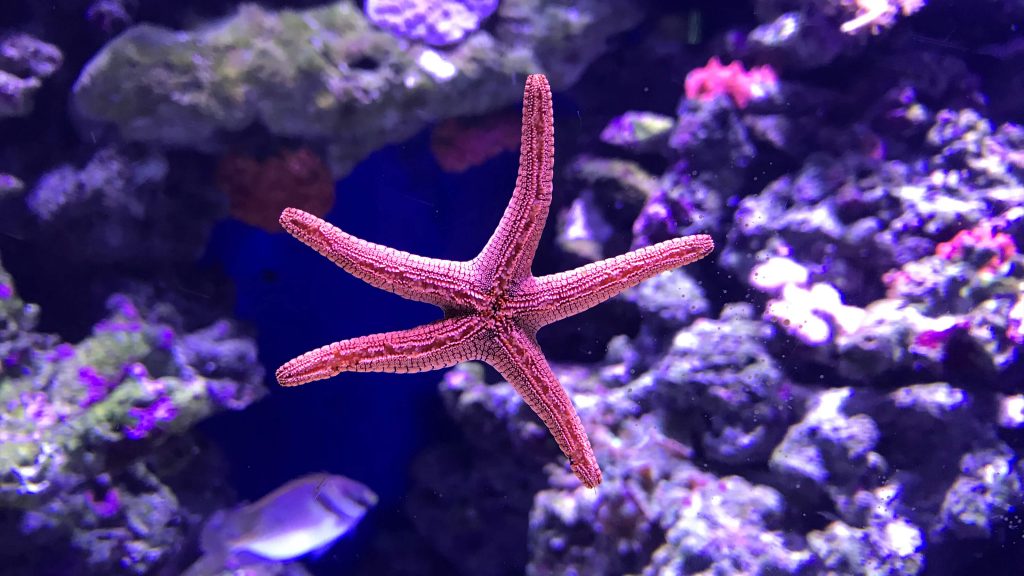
(459, 144)
(982, 497)
(258, 190)
(814, 313)
(881, 543)
(640, 131)
(706, 131)
(25, 61)
(959, 302)
(655, 513)
(831, 450)
(436, 22)
(968, 289)
(848, 229)
(877, 14)
(660, 516)
(148, 216)
(10, 185)
(611, 194)
(18, 320)
(28, 56)
(723, 524)
(327, 76)
(734, 80)
(671, 300)
(717, 383)
(982, 238)
(582, 230)
(797, 39)
(690, 195)
(677, 207)
(94, 442)
(968, 150)
(889, 250)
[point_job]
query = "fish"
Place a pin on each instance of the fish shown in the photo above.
(306, 515)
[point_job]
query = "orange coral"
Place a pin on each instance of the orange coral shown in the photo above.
(258, 190)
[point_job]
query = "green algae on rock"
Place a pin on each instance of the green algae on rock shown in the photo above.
(95, 441)
(326, 75)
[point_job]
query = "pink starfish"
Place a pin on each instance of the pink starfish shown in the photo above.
(493, 305)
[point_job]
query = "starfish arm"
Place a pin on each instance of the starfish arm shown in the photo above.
(440, 344)
(557, 296)
(508, 255)
(440, 282)
(518, 358)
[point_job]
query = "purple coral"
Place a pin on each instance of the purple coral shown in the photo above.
(24, 62)
(105, 506)
(146, 419)
(436, 22)
(96, 385)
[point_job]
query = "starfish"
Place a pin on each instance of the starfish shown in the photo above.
(493, 305)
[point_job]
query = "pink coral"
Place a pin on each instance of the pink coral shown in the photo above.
(981, 237)
(742, 85)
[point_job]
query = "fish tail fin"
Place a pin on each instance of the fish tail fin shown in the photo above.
(207, 565)
(213, 541)
(212, 538)
(216, 534)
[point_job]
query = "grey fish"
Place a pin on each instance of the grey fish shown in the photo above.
(305, 515)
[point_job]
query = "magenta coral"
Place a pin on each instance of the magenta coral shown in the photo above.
(742, 85)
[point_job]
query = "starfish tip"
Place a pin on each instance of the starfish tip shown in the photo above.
(300, 371)
(285, 377)
(289, 216)
(704, 244)
(534, 80)
(585, 468)
(300, 224)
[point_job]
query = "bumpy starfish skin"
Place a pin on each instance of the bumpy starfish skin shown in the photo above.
(493, 305)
